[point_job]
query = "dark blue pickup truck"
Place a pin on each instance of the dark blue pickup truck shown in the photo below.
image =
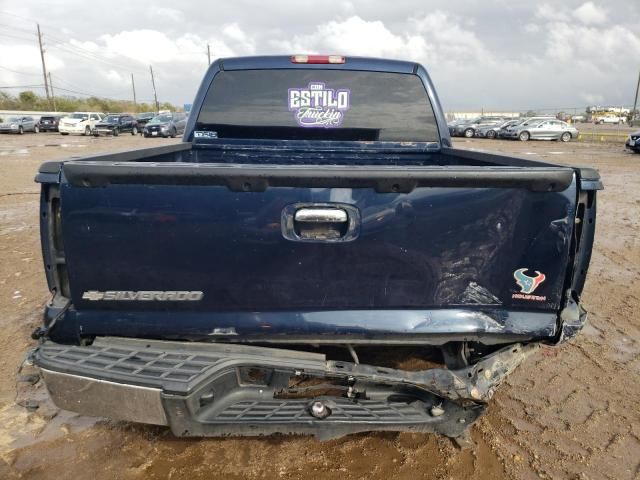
(314, 258)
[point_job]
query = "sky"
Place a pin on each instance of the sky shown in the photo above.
(489, 54)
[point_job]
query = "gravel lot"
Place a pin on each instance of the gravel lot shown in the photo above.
(569, 412)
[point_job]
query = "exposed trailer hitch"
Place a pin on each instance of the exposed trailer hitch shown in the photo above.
(223, 389)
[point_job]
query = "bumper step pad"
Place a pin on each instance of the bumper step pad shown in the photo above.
(222, 389)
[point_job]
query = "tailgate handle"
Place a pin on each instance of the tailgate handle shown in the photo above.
(320, 223)
(321, 215)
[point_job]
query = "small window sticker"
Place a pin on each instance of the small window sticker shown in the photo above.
(205, 134)
(319, 106)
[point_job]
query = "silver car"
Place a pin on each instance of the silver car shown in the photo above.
(19, 124)
(492, 131)
(507, 131)
(468, 129)
(544, 130)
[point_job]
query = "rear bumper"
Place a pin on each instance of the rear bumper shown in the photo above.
(221, 389)
(73, 128)
(102, 131)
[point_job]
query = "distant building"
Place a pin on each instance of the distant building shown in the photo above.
(468, 115)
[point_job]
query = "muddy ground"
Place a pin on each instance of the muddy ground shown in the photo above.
(569, 412)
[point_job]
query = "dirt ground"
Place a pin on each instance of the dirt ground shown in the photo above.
(569, 412)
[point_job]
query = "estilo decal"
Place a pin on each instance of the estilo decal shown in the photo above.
(319, 106)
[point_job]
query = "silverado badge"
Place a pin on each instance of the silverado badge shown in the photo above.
(143, 296)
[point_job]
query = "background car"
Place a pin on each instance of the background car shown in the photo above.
(144, 118)
(166, 125)
(82, 123)
(545, 130)
(49, 123)
(633, 142)
(610, 120)
(524, 122)
(19, 124)
(114, 124)
(491, 130)
(468, 129)
(454, 123)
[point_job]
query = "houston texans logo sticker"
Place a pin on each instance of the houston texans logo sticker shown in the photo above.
(526, 283)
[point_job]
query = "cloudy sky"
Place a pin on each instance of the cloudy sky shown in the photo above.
(491, 54)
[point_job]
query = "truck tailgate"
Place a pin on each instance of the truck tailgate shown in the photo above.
(223, 245)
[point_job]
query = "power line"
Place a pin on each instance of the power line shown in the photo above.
(20, 73)
(87, 94)
(14, 15)
(83, 52)
(67, 47)
(15, 36)
(67, 82)
(77, 88)
(17, 29)
(70, 50)
(7, 87)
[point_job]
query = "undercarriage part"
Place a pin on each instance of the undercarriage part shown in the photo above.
(222, 389)
(456, 355)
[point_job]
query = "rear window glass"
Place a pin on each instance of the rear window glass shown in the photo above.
(318, 104)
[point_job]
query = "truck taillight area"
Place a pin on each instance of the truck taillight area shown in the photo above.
(318, 59)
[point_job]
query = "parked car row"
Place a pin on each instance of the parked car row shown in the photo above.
(523, 129)
(166, 124)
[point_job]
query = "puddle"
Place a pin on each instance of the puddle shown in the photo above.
(20, 427)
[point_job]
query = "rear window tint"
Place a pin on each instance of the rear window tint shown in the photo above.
(318, 104)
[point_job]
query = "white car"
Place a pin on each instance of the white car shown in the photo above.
(611, 120)
(82, 123)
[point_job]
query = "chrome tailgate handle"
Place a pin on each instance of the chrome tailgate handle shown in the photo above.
(321, 215)
(320, 222)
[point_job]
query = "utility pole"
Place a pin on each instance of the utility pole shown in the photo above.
(53, 97)
(135, 104)
(44, 68)
(155, 95)
(209, 53)
(635, 101)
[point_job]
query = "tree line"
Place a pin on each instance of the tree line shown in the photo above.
(29, 100)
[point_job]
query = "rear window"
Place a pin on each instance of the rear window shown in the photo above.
(318, 104)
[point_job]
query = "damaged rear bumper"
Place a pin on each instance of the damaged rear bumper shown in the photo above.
(221, 389)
